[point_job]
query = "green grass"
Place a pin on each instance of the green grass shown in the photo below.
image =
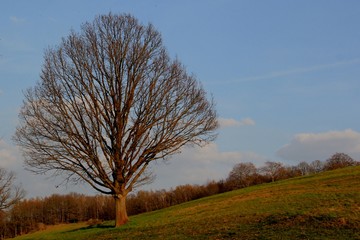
(322, 206)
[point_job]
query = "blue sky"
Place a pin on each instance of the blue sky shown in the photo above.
(285, 76)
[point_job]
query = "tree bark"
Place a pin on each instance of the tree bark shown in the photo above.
(121, 216)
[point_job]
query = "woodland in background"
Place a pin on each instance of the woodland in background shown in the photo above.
(35, 214)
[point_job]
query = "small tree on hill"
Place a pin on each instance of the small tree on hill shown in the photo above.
(339, 160)
(304, 168)
(242, 175)
(274, 170)
(316, 166)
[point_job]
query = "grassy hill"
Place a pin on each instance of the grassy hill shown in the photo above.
(322, 206)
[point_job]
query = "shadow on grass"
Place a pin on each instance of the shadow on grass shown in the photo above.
(97, 226)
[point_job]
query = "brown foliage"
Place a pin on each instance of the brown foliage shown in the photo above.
(242, 175)
(35, 214)
(339, 160)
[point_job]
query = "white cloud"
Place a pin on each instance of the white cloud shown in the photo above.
(199, 165)
(294, 71)
(35, 185)
(313, 146)
(8, 154)
(211, 154)
(230, 122)
(194, 165)
(301, 70)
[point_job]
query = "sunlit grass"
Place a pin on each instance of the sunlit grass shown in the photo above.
(322, 206)
(54, 232)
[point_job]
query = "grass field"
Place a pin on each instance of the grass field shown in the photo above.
(322, 206)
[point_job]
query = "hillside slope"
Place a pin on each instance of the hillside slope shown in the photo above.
(322, 206)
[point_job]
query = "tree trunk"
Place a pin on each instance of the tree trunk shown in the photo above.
(121, 216)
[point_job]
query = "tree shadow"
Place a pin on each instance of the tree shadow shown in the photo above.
(97, 226)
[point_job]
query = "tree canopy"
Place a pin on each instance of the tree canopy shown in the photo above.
(110, 101)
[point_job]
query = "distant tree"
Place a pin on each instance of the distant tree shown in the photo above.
(110, 101)
(273, 169)
(339, 160)
(242, 174)
(290, 172)
(316, 166)
(304, 168)
(9, 192)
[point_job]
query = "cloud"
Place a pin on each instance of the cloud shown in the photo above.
(194, 165)
(8, 154)
(16, 20)
(313, 146)
(198, 165)
(295, 71)
(230, 122)
(210, 153)
(35, 185)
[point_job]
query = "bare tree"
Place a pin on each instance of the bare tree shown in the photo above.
(10, 193)
(273, 169)
(316, 166)
(242, 174)
(110, 101)
(339, 160)
(304, 168)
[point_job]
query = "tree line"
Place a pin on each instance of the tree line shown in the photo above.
(246, 174)
(34, 214)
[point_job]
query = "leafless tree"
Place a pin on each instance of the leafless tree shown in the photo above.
(273, 169)
(316, 166)
(242, 174)
(339, 160)
(304, 168)
(110, 101)
(9, 192)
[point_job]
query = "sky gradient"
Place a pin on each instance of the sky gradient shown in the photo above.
(285, 76)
